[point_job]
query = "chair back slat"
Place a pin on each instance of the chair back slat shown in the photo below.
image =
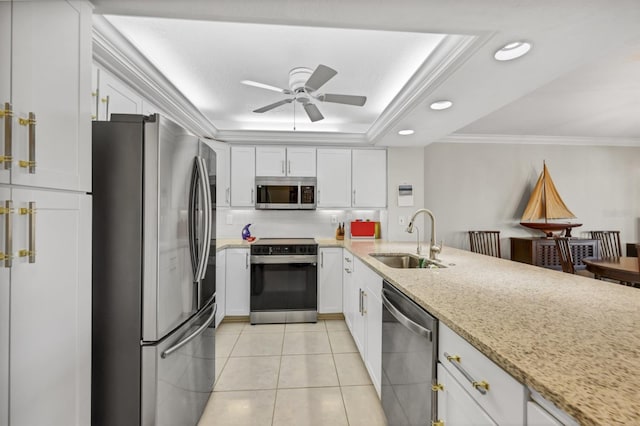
(564, 253)
(609, 243)
(485, 242)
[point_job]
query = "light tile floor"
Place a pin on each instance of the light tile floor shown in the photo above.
(293, 374)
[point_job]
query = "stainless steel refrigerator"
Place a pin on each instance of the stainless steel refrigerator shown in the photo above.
(153, 310)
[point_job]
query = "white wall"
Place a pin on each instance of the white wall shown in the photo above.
(486, 186)
(405, 165)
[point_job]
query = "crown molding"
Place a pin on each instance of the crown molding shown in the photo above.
(450, 54)
(114, 53)
(298, 137)
(539, 140)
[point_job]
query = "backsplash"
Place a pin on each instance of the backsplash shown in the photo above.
(292, 223)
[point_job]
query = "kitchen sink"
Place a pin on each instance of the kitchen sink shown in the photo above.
(405, 261)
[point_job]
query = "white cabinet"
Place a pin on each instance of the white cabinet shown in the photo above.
(538, 416)
(330, 280)
(369, 178)
(237, 282)
(455, 406)
(221, 285)
(50, 308)
(115, 97)
(350, 301)
(223, 178)
(243, 160)
(373, 327)
(50, 84)
(504, 402)
(45, 279)
(334, 178)
(281, 161)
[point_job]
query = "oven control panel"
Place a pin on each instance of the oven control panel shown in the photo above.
(285, 249)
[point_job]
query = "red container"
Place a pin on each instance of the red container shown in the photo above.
(365, 229)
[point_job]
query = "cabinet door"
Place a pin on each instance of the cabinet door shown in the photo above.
(301, 162)
(334, 178)
(369, 182)
(5, 195)
(50, 352)
(237, 282)
(95, 91)
(116, 98)
(455, 405)
(5, 81)
(357, 294)
(221, 285)
(347, 289)
(271, 161)
(538, 416)
(330, 281)
(51, 72)
(243, 161)
(373, 332)
(223, 189)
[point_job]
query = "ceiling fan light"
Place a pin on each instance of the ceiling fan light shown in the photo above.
(440, 105)
(406, 132)
(512, 51)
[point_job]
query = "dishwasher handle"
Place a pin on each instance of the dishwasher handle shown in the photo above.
(402, 319)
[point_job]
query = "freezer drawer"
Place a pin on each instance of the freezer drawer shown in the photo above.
(178, 373)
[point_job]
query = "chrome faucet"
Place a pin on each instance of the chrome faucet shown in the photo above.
(434, 249)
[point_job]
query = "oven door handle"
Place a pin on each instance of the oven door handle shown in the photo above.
(284, 260)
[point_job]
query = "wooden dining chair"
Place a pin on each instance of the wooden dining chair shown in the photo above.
(566, 258)
(609, 243)
(638, 255)
(485, 242)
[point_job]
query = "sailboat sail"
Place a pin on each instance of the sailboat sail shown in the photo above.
(545, 202)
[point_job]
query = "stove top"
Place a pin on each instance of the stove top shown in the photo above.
(284, 241)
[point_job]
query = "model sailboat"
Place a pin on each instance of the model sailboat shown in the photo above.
(545, 203)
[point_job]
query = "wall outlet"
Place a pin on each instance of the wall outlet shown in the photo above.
(229, 219)
(402, 220)
(334, 219)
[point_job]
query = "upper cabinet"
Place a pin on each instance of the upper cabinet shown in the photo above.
(223, 178)
(334, 178)
(46, 140)
(243, 167)
(115, 97)
(369, 178)
(281, 161)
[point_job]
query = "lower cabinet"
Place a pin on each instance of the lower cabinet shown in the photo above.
(538, 416)
(221, 285)
(349, 299)
(238, 276)
(330, 273)
(45, 308)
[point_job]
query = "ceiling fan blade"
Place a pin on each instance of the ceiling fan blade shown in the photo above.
(273, 105)
(320, 76)
(265, 86)
(313, 112)
(344, 99)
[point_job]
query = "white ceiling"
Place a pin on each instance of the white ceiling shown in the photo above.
(580, 79)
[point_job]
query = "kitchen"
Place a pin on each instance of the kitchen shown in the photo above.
(450, 175)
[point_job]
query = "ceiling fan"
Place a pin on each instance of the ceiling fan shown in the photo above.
(304, 84)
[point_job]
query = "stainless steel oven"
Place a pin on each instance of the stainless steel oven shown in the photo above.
(285, 193)
(284, 281)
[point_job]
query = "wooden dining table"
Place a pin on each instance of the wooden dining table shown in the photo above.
(623, 269)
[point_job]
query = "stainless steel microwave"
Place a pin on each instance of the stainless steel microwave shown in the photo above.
(285, 193)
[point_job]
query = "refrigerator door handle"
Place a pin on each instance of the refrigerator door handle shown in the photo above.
(206, 233)
(192, 215)
(193, 335)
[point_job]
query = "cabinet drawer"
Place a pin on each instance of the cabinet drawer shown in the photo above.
(505, 398)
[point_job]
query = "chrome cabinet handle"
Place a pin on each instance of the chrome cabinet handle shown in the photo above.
(8, 235)
(402, 319)
(318, 192)
(7, 113)
(226, 195)
(252, 195)
(322, 259)
(289, 166)
(347, 260)
(282, 166)
(246, 260)
(481, 386)
(347, 270)
(360, 302)
(353, 198)
(31, 251)
(31, 162)
(192, 335)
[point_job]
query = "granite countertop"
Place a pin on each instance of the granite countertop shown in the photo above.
(574, 340)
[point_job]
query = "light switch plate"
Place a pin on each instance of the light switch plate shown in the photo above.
(334, 219)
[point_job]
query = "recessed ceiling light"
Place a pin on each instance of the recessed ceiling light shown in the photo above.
(512, 50)
(440, 105)
(405, 132)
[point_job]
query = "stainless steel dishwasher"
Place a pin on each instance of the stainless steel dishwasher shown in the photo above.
(409, 356)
